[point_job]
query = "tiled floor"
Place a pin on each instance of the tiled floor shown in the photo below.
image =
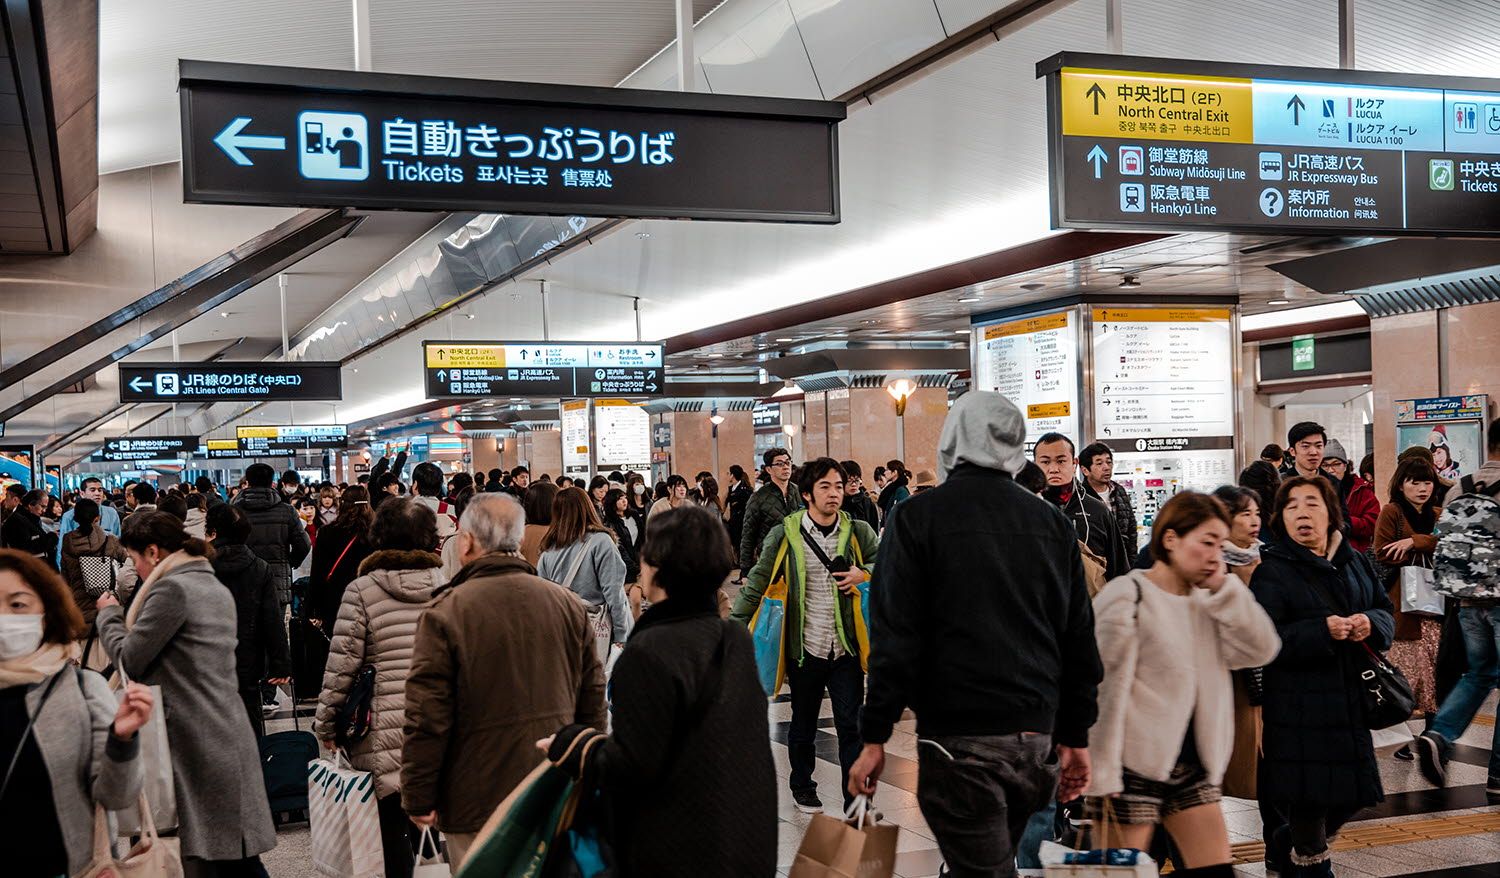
(1409, 798)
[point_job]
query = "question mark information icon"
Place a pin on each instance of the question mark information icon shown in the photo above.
(1271, 201)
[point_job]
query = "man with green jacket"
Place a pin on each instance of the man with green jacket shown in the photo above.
(828, 555)
(768, 506)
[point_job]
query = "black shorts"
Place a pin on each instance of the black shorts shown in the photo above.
(1145, 801)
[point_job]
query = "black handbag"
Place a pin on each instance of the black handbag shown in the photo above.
(1384, 692)
(356, 715)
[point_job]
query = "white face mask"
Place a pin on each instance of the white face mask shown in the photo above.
(20, 635)
(640, 489)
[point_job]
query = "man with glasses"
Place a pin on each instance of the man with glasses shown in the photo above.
(109, 519)
(769, 507)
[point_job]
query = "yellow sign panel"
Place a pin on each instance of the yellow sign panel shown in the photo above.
(1160, 315)
(1156, 106)
(224, 444)
(574, 405)
(1027, 326)
(1049, 410)
(612, 402)
(465, 356)
(257, 432)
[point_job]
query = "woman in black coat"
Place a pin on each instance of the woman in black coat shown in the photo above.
(628, 533)
(261, 647)
(737, 499)
(1319, 765)
(687, 772)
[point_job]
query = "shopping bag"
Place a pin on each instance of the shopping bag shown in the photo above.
(435, 866)
(345, 824)
(1419, 594)
(1101, 860)
(1244, 759)
(861, 611)
(855, 847)
(150, 857)
(156, 769)
(768, 629)
(521, 831)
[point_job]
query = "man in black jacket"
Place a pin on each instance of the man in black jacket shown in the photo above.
(768, 506)
(261, 648)
(857, 500)
(277, 535)
(981, 623)
(23, 530)
(1092, 520)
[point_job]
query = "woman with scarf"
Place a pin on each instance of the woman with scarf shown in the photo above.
(180, 634)
(1242, 549)
(65, 745)
(1403, 538)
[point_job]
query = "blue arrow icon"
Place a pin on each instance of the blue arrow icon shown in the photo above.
(1098, 157)
(232, 141)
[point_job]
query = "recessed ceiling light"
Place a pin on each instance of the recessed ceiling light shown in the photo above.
(470, 316)
(223, 313)
(1032, 286)
(1279, 302)
(714, 356)
(1112, 269)
(785, 339)
(961, 332)
(967, 299)
(643, 235)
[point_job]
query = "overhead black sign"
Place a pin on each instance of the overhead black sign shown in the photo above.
(290, 439)
(476, 369)
(1173, 145)
(335, 138)
(128, 448)
(230, 382)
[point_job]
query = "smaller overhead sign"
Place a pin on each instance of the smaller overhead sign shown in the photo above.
(289, 439)
(473, 370)
(1304, 353)
(230, 382)
(220, 449)
(129, 448)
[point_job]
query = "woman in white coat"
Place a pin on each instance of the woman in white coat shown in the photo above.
(1168, 638)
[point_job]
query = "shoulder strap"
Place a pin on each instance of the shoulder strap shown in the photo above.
(340, 560)
(583, 552)
(30, 724)
(817, 549)
(1467, 485)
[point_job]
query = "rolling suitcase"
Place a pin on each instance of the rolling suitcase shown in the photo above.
(283, 763)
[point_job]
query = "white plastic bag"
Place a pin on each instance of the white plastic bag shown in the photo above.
(344, 821)
(156, 770)
(435, 866)
(1419, 594)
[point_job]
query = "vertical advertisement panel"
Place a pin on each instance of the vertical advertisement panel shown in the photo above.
(1033, 362)
(574, 421)
(1164, 400)
(622, 432)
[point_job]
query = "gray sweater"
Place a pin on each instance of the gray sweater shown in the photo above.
(600, 579)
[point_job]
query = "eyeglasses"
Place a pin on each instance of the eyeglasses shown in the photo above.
(785, 463)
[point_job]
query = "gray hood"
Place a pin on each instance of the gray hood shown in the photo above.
(984, 429)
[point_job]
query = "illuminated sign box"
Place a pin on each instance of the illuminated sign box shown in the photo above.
(1171, 145)
(336, 138)
(230, 382)
(135, 448)
(288, 439)
(480, 369)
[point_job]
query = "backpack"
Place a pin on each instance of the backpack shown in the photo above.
(1466, 564)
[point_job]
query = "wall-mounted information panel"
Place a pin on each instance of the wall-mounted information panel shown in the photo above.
(290, 439)
(1033, 361)
(1171, 145)
(230, 382)
(337, 138)
(478, 369)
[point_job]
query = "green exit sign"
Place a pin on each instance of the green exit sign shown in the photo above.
(1303, 358)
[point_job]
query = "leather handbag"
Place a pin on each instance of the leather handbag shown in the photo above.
(151, 857)
(1384, 692)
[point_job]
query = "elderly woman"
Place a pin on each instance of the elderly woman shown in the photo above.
(67, 746)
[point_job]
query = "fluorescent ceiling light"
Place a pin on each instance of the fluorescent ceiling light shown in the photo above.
(1112, 269)
(1292, 316)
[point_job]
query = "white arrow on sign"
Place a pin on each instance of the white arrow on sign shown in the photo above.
(140, 384)
(1097, 156)
(233, 142)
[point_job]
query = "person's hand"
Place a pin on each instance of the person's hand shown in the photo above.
(330, 744)
(425, 821)
(1076, 770)
(545, 744)
(1339, 627)
(1359, 627)
(849, 581)
(316, 623)
(135, 709)
(1398, 550)
(1216, 581)
(866, 771)
(107, 599)
(279, 681)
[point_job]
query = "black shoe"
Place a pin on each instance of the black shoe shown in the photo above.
(807, 801)
(1430, 757)
(1492, 787)
(1405, 754)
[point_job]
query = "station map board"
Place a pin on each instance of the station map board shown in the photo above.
(254, 134)
(1033, 362)
(480, 370)
(1164, 400)
(577, 454)
(1172, 145)
(622, 434)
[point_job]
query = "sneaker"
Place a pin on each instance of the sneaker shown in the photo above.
(807, 801)
(1405, 754)
(1430, 757)
(1492, 786)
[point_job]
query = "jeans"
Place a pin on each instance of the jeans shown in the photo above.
(1041, 827)
(398, 837)
(978, 793)
(845, 683)
(1481, 627)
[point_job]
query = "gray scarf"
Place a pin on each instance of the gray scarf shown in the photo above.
(1234, 556)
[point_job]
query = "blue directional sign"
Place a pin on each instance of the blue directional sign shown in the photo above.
(303, 381)
(336, 138)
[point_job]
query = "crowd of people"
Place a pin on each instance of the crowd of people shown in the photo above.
(1047, 655)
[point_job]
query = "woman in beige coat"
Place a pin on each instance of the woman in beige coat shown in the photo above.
(377, 626)
(1168, 638)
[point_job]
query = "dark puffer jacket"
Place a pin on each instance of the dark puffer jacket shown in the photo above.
(766, 509)
(261, 650)
(277, 536)
(1317, 749)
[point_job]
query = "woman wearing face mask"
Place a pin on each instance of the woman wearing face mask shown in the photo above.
(1242, 549)
(1319, 764)
(1175, 630)
(1403, 538)
(65, 745)
(180, 634)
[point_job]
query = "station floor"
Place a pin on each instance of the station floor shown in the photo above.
(1417, 831)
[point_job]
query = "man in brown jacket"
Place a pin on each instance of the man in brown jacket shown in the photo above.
(502, 659)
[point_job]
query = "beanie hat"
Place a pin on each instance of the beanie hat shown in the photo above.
(1334, 450)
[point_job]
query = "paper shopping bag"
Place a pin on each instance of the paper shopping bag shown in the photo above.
(156, 770)
(434, 866)
(345, 822)
(834, 848)
(1244, 760)
(516, 839)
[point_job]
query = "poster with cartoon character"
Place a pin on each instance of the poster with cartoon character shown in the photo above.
(1451, 427)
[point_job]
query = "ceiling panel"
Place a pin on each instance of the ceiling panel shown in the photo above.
(1456, 37)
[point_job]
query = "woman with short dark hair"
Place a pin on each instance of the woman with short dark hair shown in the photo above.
(88, 539)
(1319, 763)
(180, 635)
(537, 503)
(1404, 538)
(261, 647)
(687, 770)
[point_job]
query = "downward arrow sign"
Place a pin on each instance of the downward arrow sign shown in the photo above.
(233, 142)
